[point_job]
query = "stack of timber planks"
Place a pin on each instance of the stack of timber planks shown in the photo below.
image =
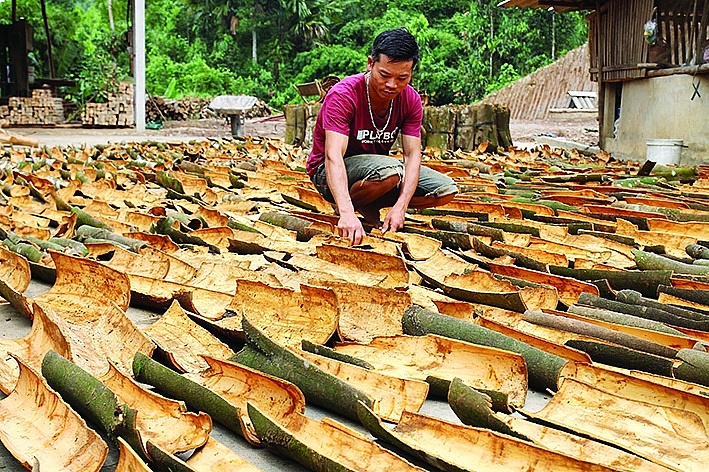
(39, 109)
(118, 111)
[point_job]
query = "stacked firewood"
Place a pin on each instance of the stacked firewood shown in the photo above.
(163, 109)
(117, 111)
(39, 109)
(189, 108)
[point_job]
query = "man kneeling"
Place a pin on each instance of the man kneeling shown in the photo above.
(357, 125)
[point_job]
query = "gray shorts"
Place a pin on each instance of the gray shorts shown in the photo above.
(376, 167)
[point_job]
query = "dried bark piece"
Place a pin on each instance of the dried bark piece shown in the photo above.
(392, 267)
(667, 436)
(453, 447)
(238, 385)
(393, 394)
(288, 316)
(161, 420)
(212, 457)
(473, 410)
(14, 270)
(438, 360)
(184, 342)
(463, 281)
(35, 424)
(84, 288)
(569, 289)
(336, 272)
(44, 335)
(652, 389)
(324, 445)
(543, 368)
(318, 386)
(367, 312)
(128, 460)
(415, 246)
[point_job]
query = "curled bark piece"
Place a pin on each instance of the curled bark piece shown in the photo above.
(324, 445)
(643, 312)
(319, 387)
(92, 399)
(86, 233)
(619, 356)
(644, 281)
(695, 366)
(543, 368)
(474, 409)
(632, 297)
(650, 261)
(35, 424)
(128, 460)
(623, 319)
(174, 385)
(598, 332)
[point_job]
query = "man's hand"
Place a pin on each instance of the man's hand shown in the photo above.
(394, 220)
(351, 228)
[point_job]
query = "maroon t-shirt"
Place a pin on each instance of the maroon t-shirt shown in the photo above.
(346, 111)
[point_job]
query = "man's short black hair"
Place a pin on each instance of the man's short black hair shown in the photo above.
(398, 44)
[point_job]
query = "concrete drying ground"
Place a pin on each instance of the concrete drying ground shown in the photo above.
(13, 325)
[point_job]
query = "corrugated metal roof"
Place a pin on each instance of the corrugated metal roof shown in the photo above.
(557, 5)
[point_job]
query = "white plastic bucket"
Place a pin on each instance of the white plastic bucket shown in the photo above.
(664, 151)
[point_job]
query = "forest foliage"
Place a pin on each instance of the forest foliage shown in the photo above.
(263, 47)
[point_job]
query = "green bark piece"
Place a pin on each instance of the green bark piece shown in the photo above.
(462, 213)
(650, 261)
(473, 409)
(468, 227)
(449, 239)
(599, 332)
(623, 319)
(642, 182)
(284, 443)
(697, 296)
(26, 250)
(176, 386)
(76, 246)
(675, 173)
(645, 281)
(623, 357)
(164, 226)
(438, 387)
(92, 399)
(163, 461)
(521, 260)
(83, 218)
(301, 226)
(505, 300)
(332, 354)
(85, 233)
(512, 227)
(319, 387)
(697, 251)
(44, 245)
(553, 204)
(165, 180)
(694, 368)
(632, 297)
(579, 178)
(642, 311)
(543, 368)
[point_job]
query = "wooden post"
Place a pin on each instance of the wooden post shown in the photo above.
(49, 41)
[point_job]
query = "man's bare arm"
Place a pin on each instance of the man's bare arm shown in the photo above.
(349, 225)
(394, 219)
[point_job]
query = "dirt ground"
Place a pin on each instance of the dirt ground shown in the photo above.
(577, 127)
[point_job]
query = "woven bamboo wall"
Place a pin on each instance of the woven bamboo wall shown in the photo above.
(531, 97)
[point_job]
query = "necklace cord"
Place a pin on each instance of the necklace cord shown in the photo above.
(371, 114)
